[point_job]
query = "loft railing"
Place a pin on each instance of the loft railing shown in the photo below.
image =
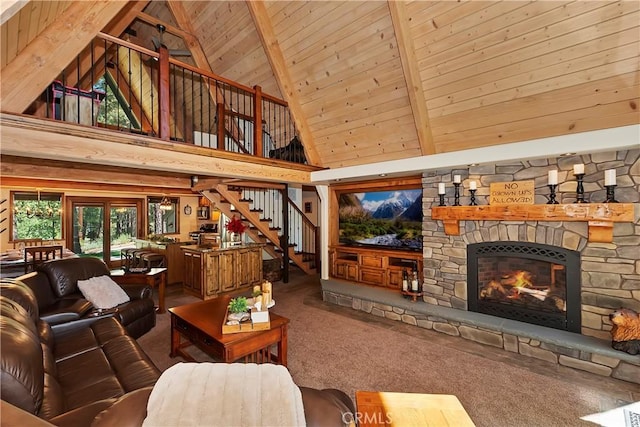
(118, 85)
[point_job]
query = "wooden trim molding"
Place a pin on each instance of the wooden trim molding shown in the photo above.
(599, 216)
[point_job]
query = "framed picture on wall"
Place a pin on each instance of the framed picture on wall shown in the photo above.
(307, 207)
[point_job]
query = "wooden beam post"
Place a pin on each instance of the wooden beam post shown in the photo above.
(257, 127)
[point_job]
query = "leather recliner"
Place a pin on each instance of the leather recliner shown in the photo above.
(60, 302)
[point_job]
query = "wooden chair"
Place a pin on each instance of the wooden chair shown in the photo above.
(38, 254)
(23, 243)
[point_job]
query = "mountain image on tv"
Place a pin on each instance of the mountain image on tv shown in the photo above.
(382, 218)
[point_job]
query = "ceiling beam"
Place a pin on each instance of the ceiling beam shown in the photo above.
(180, 32)
(281, 73)
(400, 19)
(29, 74)
(126, 16)
(72, 143)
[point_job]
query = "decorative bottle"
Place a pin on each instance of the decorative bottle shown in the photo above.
(414, 279)
(405, 281)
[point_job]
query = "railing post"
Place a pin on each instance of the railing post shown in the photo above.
(164, 103)
(221, 124)
(284, 239)
(257, 126)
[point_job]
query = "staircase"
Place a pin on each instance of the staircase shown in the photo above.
(267, 222)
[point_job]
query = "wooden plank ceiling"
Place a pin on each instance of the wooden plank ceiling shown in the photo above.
(371, 81)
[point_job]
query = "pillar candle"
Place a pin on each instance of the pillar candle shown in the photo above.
(456, 179)
(441, 188)
(610, 177)
(553, 177)
(472, 185)
(578, 169)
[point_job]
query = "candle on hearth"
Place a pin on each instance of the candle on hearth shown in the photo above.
(578, 169)
(441, 188)
(553, 177)
(472, 185)
(610, 177)
(456, 179)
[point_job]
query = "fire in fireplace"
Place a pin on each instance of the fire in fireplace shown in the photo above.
(529, 282)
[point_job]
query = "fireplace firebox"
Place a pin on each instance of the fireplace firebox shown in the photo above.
(529, 282)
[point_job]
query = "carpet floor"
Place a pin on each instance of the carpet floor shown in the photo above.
(336, 347)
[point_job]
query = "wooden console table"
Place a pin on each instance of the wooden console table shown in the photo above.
(600, 216)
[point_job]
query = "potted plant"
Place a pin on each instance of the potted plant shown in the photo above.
(238, 308)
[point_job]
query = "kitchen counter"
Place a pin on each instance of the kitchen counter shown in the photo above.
(210, 270)
(224, 246)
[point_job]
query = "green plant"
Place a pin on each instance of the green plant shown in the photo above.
(238, 305)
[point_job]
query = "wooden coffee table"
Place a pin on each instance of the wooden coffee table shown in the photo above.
(200, 324)
(378, 409)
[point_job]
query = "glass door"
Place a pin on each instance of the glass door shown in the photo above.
(101, 228)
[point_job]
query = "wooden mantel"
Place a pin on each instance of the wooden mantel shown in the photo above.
(600, 216)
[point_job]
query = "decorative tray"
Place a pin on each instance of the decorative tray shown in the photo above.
(232, 326)
(136, 270)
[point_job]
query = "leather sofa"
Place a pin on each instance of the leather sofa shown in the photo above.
(61, 304)
(93, 374)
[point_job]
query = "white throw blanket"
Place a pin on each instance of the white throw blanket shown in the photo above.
(220, 394)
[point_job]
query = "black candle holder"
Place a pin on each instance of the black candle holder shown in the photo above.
(473, 198)
(579, 188)
(441, 200)
(552, 194)
(456, 194)
(611, 197)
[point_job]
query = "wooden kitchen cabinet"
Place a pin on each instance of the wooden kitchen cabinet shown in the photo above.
(211, 271)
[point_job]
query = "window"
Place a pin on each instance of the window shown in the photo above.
(36, 215)
(163, 215)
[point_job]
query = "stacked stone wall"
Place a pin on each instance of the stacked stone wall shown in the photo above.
(610, 271)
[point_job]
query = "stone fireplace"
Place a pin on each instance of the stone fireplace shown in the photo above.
(529, 282)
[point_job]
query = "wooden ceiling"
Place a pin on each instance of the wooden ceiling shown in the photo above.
(370, 81)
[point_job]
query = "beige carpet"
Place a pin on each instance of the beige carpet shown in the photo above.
(335, 347)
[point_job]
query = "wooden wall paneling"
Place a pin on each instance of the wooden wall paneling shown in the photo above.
(536, 31)
(4, 36)
(435, 20)
(605, 91)
(280, 11)
(23, 27)
(276, 59)
(25, 77)
(317, 62)
(10, 8)
(621, 113)
(561, 81)
(535, 57)
(317, 19)
(37, 8)
(12, 38)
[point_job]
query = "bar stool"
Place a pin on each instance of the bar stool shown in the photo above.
(126, 257)
(153, 259)
(137, 257)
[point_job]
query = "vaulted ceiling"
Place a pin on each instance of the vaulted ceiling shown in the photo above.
(370, 81)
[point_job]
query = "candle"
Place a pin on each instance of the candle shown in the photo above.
(610, 177)
(553, 177)
(456, 179)
(578, 169)
(441, 188)
(472, 185)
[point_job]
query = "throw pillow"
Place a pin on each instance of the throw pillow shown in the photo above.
(102, 292)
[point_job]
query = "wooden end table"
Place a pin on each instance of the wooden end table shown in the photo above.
(200, 324)
(155, 278)
(410, 409)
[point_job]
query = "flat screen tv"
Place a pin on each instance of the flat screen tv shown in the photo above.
(381, 219)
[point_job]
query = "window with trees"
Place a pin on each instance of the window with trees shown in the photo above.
(114, 109)
(36, 215)
(163, 215)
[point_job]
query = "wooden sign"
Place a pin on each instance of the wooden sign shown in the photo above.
(512, 193)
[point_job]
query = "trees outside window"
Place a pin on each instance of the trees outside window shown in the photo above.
(36, 215)
(163, 219)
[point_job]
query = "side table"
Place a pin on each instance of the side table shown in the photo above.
(156, 277)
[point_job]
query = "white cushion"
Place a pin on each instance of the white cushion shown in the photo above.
(102, 292)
